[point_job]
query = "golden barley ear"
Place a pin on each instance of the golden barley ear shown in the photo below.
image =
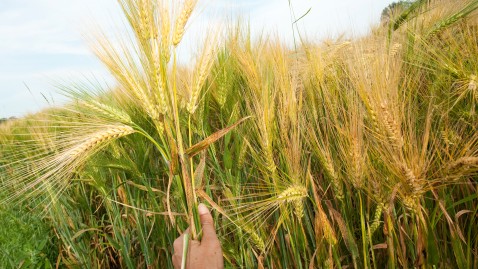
(99, 138)
(201, 73)
(182, 20)
(53, 169)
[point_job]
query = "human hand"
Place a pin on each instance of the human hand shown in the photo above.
(206, 253)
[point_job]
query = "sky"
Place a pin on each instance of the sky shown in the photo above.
(43, 42)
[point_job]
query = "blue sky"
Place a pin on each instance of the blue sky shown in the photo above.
(42, 41)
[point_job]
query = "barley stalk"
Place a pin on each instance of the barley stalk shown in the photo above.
(445, 23)
(116, 151)
(372, 113)
(137, 89)
(346, 234)
(450, 137)
(294, 195)
(242, 154)
(152, 110)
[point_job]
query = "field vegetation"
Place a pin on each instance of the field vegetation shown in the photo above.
(357, 153)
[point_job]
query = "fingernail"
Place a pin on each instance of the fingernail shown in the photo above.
(202, 208)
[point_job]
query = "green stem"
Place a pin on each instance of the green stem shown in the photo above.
(185, 250)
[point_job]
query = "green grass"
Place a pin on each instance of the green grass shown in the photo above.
(26, 240)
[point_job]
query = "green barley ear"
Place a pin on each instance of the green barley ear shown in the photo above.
(376, 218)
(223, 83)
(294, 195)
(405, 16)
(452, 19)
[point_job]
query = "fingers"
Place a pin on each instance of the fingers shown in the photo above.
(178, 243)
(207, 223)
(176, 261)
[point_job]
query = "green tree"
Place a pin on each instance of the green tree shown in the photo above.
(393, 9)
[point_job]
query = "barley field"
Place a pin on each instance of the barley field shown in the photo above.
(344, 153)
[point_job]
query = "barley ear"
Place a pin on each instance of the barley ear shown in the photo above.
(165, 33)
(376, 218)
(182, 20)
(202, 72)
(107, 110)
(294, 195)
(97, 139)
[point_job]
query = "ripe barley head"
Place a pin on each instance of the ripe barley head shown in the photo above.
(391, 127)
(202, 71)
(182, 21)
(108, 111)
(99, 138)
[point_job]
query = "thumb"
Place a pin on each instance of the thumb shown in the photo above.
(207, 223)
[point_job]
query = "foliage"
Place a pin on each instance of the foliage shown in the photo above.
(26, 241)
(393, 9)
